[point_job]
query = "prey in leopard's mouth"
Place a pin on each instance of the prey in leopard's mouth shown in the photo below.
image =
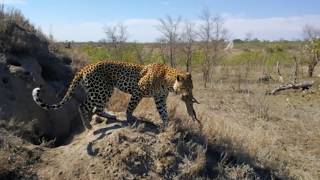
(189, 100)
(184, 86)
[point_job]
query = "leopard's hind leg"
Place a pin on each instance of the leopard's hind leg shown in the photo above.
(100, 103)
(86, 113)
(94, 104)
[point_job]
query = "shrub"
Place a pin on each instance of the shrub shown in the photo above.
(95, 54)
(18, 35)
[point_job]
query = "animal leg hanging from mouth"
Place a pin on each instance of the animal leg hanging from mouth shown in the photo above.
(189, 100)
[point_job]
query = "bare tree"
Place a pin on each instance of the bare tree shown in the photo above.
(139, 52)
(248, 36)
(188, 38)
(205, 33)
(169, 30)
(311, 32)
(117, 36)
(212, 35)
(312, 35)
(163, 50)
(142, 53)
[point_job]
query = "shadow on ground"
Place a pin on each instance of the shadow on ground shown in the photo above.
(140, 124)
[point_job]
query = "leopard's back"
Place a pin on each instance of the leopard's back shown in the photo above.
(100, 79)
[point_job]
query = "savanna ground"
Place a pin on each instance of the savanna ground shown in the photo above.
(278, 133)
(246, 133)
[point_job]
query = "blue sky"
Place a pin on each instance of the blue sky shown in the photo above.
(83, 20)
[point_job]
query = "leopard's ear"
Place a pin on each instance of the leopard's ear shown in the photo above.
(179, 77)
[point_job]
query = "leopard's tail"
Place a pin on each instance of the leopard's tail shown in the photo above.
(36, 95)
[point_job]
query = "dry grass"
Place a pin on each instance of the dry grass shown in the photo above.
(17, 34)
(215, 156)
(16, 159)
(248, 129)
(245, 133)
(277, 132)
(78, 58)
(10, 16)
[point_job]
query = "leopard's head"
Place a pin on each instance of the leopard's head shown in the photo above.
(183, 84)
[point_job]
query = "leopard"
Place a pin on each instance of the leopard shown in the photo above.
(99, 80)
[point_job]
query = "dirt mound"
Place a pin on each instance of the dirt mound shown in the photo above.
(25, 63)
(116, 151)
(17, 157)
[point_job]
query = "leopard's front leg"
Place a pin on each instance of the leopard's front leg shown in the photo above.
(134, 101)
(161, 104)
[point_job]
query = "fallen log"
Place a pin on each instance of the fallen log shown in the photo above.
(302, 85)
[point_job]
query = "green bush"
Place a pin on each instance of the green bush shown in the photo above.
(267, 56)
(253, 56)
(95, 54)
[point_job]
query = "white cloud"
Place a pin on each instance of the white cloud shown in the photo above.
(13, 1)
(271, 28)
(139, 30)
(86, 31)
(144, 30)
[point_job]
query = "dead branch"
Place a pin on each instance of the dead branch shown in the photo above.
(302, 85)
